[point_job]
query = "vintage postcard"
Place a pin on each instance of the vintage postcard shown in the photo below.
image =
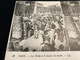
(44, 30)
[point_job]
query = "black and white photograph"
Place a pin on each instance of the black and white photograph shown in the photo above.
(45, 26)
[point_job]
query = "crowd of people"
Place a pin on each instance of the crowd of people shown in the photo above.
(50, 27)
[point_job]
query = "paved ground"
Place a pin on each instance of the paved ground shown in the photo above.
(32, 43)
